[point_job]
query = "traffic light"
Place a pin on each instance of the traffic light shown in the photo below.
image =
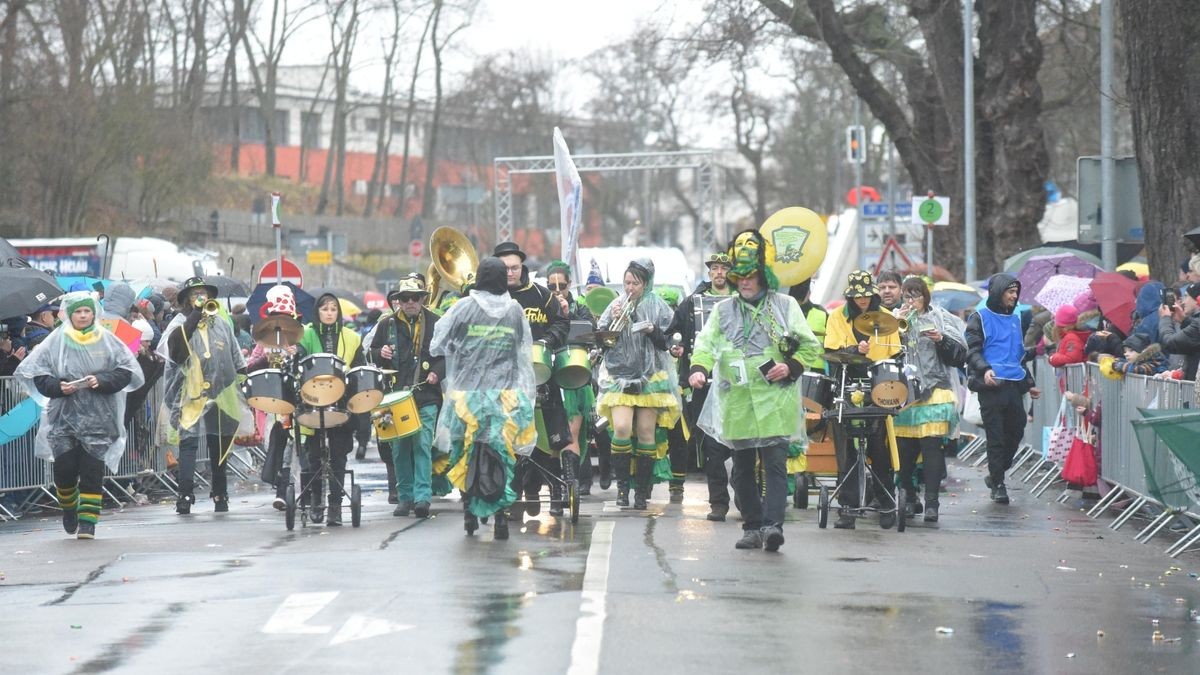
(856, 144)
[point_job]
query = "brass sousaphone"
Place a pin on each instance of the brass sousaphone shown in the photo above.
(454, 263)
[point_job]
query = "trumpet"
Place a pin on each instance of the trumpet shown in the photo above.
(208, 307)
(622, 319)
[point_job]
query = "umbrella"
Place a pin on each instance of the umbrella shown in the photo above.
(1141, 269)
(349, 309)
(1193, 235)
(1038, 270)
(25, 288)
(227, 285)
(1061, 289)
(7, 251)
(1016, 262)
(939, 273)
(374, 300)
(954, 300)
(79, 283)
(125, 332)
(258, 298)
(1117, 296)
(954, 286)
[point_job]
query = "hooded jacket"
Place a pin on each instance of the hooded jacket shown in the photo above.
(1071, 348)
(346, 344)
(1150, 361)
(1145, 312)
(978, 341)
(1184, 340)
(118, 299)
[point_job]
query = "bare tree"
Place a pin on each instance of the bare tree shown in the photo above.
(377, 186)
(410, 109)
(264, 67)
(343, 35)
(438, 46)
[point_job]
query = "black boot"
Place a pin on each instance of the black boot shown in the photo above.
(931, 510)
(470, 522)
(500, 528)
(393, 498)
(584, 476)
(183, 505)
(334, 519)
(645, 476)
(620, 465)
(604, 464)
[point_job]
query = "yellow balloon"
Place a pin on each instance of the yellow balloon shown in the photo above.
(796, 242)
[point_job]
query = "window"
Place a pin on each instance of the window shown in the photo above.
(310, 129)
(372, 124)
(360, 187)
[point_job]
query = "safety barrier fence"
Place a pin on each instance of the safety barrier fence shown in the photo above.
(1121, 465)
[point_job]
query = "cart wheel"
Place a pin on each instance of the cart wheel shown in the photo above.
(800, 498)
(901, 500)
(573, 497)
(289, 513)
(823, 507)
(356, 505)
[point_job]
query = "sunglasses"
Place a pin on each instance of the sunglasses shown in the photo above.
(409, 298)
(557, 287)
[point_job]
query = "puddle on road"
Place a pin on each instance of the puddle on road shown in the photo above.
(495, 626)
(117, 654)
(847, 559)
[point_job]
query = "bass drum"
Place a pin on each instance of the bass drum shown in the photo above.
(889, 386)
(315, 417)
(816, 390)
(364, 388)
(270, 390)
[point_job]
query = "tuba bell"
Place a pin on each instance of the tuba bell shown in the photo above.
(454, 262)
(433, 283)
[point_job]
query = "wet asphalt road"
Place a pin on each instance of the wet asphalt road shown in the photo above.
(1025, 588)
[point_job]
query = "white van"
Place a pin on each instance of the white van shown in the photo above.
(671, 267)
(150, 258)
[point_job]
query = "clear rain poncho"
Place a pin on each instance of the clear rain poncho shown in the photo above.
(93, 419)
(202, 393)
(489, 388)
(743, 410)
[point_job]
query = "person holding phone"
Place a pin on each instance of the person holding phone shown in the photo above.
(85, 373)
(753, 349)
(935, 346)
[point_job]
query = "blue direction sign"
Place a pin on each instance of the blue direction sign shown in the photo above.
(880, 210)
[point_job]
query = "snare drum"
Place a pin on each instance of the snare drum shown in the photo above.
(816, 391)
(364, 388)
(572, 367)
(889, 386)
(543, 363)
(315, 417)
(322, 379)
(397, 416)
(271, 391)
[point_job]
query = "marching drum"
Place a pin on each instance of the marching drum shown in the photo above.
(396, 416)
(364, 388)
(322, 379)
(271, 391)
(319, 417)
(543, 363)
(817, 391)
(572, 367)
(889, 386)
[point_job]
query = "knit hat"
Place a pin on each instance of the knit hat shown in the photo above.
(859, 284)
(594, 278)
(1066, 316)
(147, 330)
(1137, 342)
(1193, 290)
(76, 299)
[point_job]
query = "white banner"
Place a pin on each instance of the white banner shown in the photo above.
(570, 201)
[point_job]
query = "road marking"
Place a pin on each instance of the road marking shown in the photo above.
(359, 627)
(296, 609)
(589, 628)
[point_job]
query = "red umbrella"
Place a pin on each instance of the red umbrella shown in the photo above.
(1117, 296)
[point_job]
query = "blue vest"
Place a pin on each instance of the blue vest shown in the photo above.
(1002, 345)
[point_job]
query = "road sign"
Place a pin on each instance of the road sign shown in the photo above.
(881, 210)
(291, 273)
(320, 257)
(930, 210)
(1127, 200)
(416, 248)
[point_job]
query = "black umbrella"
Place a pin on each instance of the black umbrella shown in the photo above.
(25, 288)
(227, 287)
(7, 251)
(1193, 235)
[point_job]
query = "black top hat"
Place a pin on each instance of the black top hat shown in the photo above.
(196, 282)
(508, 248)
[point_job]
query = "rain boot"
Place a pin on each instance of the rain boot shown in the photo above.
(931, 510)
(500, 528)
(470, 522)
(334, 519)
(645, 478)
(620, 463)
(68, 501)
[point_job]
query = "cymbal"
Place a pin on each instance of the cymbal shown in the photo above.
(278, 331)
(847, 359)
(872, 323)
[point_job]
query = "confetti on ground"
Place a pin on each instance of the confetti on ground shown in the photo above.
(943, 630)
(1065, 569)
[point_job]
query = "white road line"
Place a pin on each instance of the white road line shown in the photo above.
(589, 629)
(297, 609)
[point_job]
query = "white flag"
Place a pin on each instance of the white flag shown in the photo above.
(570, 200)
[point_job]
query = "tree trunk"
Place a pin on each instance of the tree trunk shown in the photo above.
(1010, 55)
(1163, 79)
(428, 196)
(408, 116)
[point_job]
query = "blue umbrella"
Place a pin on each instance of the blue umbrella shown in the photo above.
(258, 298)
(81, 283)
(954, 300)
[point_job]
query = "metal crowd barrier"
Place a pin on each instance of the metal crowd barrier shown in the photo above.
(1121, 464)
(27, 482)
